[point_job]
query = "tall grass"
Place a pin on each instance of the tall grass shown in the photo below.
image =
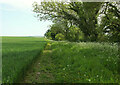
(85, 62)
(17, 55)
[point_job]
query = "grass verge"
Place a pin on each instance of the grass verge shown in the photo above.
(65, 62)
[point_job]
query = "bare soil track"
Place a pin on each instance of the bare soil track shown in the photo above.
(41, 70)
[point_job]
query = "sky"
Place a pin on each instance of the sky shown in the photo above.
(18, 19)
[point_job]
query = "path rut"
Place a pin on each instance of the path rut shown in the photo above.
(41, 70)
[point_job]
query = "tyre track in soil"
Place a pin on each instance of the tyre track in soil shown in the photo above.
(41, 70)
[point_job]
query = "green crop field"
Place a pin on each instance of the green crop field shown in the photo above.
(17, 55)
(61, 62)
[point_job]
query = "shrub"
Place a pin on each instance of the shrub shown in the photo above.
(75, 34)
(59, 37)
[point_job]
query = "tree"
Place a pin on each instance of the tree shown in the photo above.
(111, 23)
(56, 28)
(75, 34)
(48, 34)
(70, 32)
(81, 14)
(59, 37)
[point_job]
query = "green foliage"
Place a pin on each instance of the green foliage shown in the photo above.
(59, 37)
(111, 21)
(18, 53)
(85, 62)
(103, 38)
(56, 28)
(61, 31)
(84, 15)
(75, 34)
(48, 34)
